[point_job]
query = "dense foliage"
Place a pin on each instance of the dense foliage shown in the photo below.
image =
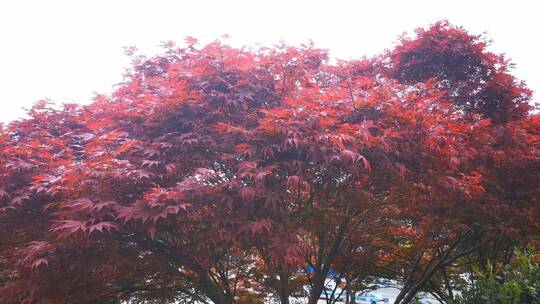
(515, 283)
(223, 175)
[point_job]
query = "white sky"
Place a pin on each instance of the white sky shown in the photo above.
(68, 50)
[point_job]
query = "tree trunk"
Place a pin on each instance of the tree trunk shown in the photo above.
(316, 289)
(283, 297)
(448, 284)
(284, 289)
(314, 296)
(213, 291)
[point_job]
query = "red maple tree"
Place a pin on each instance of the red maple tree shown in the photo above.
(226, 175)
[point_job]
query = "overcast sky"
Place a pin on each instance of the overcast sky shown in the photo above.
(68, 50)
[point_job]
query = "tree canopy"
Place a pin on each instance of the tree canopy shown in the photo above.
(221, 174)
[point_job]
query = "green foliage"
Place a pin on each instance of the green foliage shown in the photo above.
(517, 282)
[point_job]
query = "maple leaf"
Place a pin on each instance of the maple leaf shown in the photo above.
(191, 41)
(247, 193)
(68, 227)
(102, 227)
(39, 262)
(260, 226)
(3, 193)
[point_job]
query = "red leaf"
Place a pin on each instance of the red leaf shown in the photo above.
(103, 226)
(152, 232)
